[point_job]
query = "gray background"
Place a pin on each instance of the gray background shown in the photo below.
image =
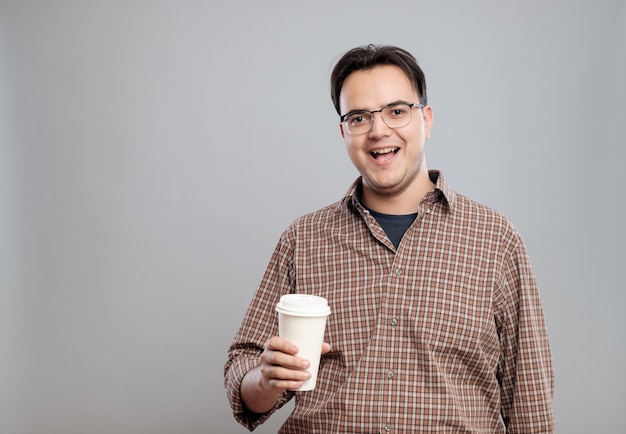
(153, 151)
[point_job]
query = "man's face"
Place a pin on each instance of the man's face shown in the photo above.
(387, 159)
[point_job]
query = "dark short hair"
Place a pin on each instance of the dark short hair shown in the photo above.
(369, 56)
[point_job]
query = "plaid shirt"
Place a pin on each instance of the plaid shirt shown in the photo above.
(445, 334)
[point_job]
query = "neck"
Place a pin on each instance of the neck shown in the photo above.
(401, 203)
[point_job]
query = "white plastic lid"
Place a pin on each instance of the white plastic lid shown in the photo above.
(303, 305)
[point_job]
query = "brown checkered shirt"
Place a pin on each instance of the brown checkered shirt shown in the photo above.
(443, 335)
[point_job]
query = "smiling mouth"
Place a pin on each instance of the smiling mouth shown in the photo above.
(384, 151)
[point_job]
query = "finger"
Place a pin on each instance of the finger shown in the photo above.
(285, 384)
(282, 378)
(278, 358)
(283, 345)
(325, 347)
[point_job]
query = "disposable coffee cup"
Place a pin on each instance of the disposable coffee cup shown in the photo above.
(302, 320)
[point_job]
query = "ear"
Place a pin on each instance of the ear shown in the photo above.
(343, 133)
(428, 120)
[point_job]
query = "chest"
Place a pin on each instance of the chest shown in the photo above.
(436, 289)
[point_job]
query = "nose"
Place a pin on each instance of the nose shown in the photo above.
(379, 127)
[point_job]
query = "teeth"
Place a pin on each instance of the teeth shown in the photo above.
(384, 151)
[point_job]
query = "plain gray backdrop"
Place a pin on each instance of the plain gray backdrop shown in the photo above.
(153, 151)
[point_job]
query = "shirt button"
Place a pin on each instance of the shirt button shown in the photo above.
(398, 272)
(387, 427)
(390, 374)
(394, 321)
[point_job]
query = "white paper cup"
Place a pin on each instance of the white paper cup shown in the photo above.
(302, 320)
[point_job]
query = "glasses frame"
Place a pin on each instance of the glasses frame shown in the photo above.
(411, 105)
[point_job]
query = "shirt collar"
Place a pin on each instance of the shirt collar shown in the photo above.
(446, 193)
(442, 193)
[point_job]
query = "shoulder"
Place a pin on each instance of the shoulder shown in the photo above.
(330, 215)
(470, 209)
(484, 220)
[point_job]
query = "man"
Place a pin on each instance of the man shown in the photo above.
(436, 322)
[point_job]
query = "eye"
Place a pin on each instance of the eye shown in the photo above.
(397, 111)
(357, 119)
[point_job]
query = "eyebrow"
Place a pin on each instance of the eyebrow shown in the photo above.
(399, 101)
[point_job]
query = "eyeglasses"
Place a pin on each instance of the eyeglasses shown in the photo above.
(396, 115)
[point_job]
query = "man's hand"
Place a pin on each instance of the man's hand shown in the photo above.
(280, 370)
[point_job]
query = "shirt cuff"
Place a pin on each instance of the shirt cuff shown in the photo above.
(232, 381)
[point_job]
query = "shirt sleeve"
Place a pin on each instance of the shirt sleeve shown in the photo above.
(257, 327)
(525, 371)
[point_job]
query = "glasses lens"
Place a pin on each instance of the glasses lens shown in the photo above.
(359, 122)
(394, 116)
(397, 115)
